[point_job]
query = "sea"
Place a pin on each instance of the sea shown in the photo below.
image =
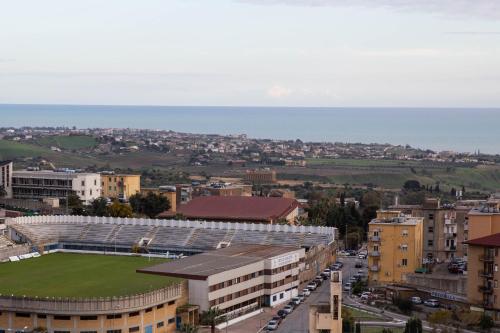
(456, 129)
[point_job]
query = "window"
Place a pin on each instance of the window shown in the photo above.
(171, 320)
(133, 314)
(62, 317)
(62, 332)
(88, 317)
(114, 331)
(159, 306)
(431, 216)
(83, 182)
(95, 182)
(41, 316)
(495, 284)
(430, 242)
(405, 232)
(496, 268)
(114, 316)
(430, 229)
(171, 303)
(23, 314)
(404, 262)
(149, 310)
(275, 298)
(133, 329)
(375, 248)
(88, 331)
(160, 324)
(404, 247)
(282, 295)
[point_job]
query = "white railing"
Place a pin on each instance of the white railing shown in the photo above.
(74, 219)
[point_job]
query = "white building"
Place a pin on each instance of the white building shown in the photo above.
(42, 184)
(6, 177)
(239, 278)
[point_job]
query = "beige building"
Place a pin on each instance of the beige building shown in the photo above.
(444, 228)
(6, 169)
(394, 247)
(238, 278)
(120, 186)
(328, 317)
(261, 176)
(151, 312)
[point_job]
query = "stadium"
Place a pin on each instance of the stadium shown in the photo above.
(73, 287)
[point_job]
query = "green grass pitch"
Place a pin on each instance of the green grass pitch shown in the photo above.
(79, 275)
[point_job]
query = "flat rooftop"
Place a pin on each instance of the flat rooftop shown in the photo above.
(402, 220)
(201, 266)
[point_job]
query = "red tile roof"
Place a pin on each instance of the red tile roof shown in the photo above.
(491, 240)
(236, 208)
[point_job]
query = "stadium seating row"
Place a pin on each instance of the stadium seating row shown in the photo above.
(162, 237)
(24, 256)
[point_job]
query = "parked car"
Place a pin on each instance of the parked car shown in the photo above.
(272, 325)
(324, 276)
(365, 296)
(347, 286)
(339, 263)
(416, 300)
(306, 292)
(358, 264)
(433, 303)
(301, 297)
(282, 313)
(288, 309)
(278, 319)
(296, 300)
(312, 286)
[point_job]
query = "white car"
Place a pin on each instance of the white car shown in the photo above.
(416, 300)
(306, 292)
(312, 286)
(272, 325)
(288, 309)
(347, 286)
(296, 300)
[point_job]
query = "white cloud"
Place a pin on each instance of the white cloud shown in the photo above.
(278, 91)
(489, 9)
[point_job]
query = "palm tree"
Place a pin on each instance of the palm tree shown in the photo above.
(212, 317)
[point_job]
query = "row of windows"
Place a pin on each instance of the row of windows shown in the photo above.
(235, 295)
(237, 280)
(86, 318)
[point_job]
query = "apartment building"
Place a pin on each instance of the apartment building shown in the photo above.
(327, 317)
(6, 168)
(120, 186)
(239, 278)
(483, 275)
(485, 219)
(43, 184)
(444, 228)
(394, 247)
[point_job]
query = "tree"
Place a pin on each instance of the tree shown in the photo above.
(486, 322)
(436, 188)
(117, 209)
(404, 305)
(453, 192)
(386, 330)
(150, 204)
(412, 185)
(98, 207)
(212, 317)
(188, 328)
(413, 325)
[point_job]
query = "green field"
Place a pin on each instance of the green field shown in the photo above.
(359, 315)
(68, 142)
(12, 149)
(79, 275)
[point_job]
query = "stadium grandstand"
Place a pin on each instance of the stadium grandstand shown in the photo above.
(87, 233)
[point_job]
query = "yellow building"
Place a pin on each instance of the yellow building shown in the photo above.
(120, 186)
(165, 191)
(394, 247)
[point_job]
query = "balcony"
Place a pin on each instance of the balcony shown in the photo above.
(449, 221)
(485, 274)
(487, 258)
(450, 235)
(374, 268)
(450, 248)
(486, 289)
(374, 254)
(375, 238)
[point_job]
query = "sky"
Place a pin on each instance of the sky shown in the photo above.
(333, 53)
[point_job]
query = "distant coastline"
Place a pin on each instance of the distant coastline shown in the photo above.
(457, 129)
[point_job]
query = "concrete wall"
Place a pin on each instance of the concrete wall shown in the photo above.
(456, 284)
